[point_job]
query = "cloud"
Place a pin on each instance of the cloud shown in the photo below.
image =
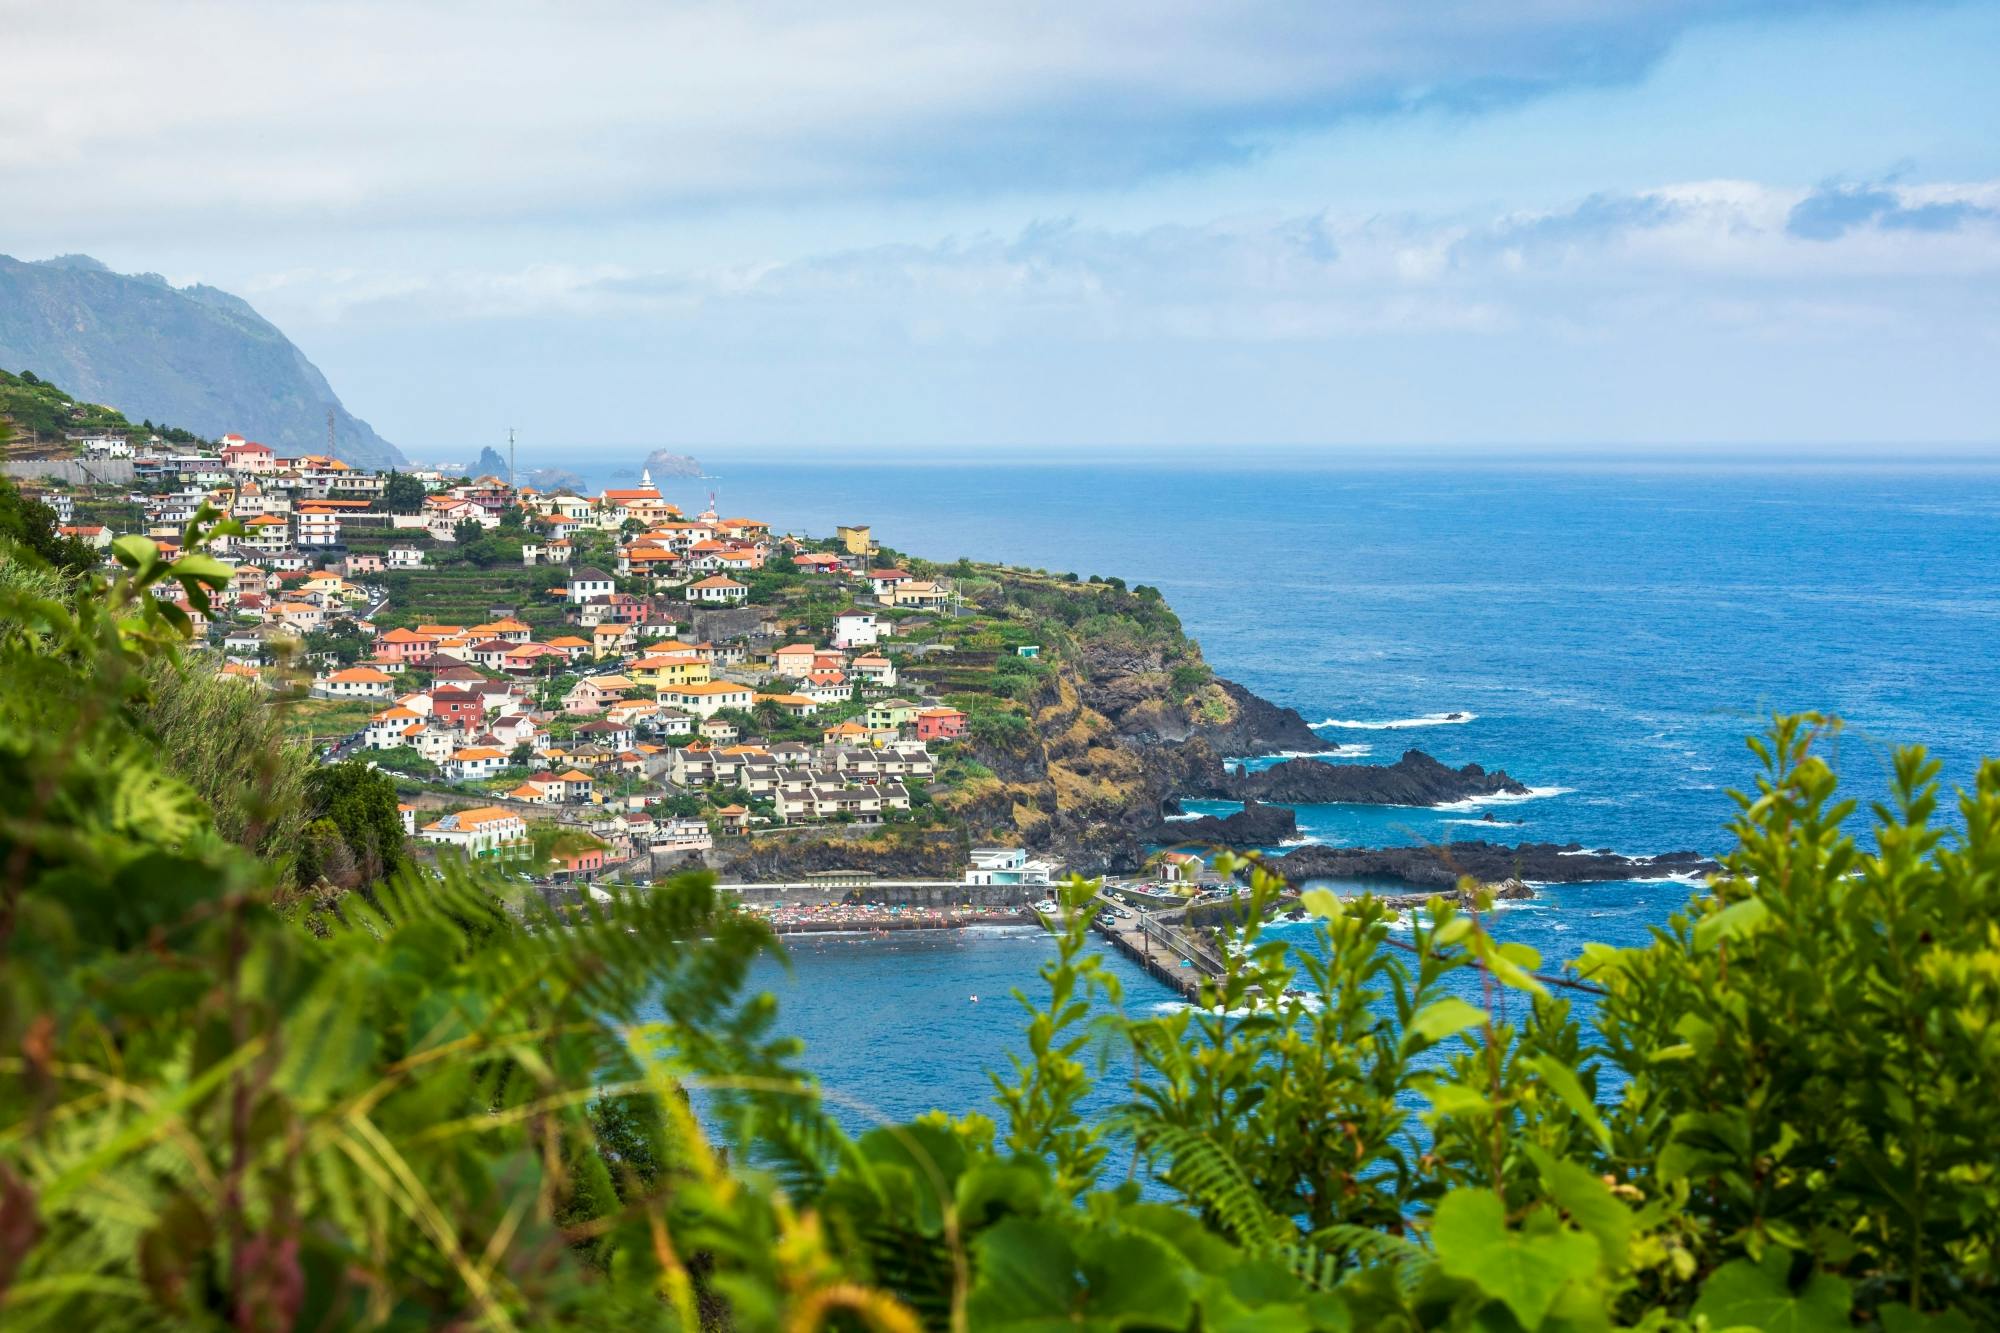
(449, 111)
(1832, 211)
(1708, 254)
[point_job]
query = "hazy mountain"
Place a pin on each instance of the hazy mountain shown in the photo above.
(195, 356)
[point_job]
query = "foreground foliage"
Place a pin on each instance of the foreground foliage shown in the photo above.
(406, 1107)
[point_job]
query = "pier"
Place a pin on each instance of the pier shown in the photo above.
(1168, 954)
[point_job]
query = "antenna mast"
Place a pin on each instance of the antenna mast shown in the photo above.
(329, 431)
(512, 475)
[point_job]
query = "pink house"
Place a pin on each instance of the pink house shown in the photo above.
(940, 724)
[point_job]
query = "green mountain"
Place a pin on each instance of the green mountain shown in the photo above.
(195, 356)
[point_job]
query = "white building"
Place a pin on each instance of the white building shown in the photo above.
(485, 832)
(856, 629)
(1008, 865)
(587, 583)
(354, 683)
(476, 761)
(718, 590)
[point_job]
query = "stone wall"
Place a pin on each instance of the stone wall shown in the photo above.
(74, 471)
(908, 893)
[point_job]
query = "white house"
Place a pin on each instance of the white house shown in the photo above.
(856, 629)
(708, 698)
(354, 683)
(406, 557)
(718, 589)
(317, 527)
(1007, 865)
(475, 761)
(587, 583)
(485, 832)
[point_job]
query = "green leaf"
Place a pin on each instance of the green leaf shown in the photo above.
(1562, 1080)
(1440, 1019)
(1731, 923)
(1457, 1099)
(1134, 1280)
(1742, 1294)
(1027, 1270)
(1322, 902)
(135, 552)
(198, 565)
(1525, 1271)
(1589, 1203)
(1900, 1318)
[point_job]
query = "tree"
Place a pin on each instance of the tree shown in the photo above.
(30, 524)
(359, 802)
(467, 531)
(343, 641)
(403, 493)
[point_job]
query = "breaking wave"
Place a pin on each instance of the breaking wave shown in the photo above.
(1398, 723)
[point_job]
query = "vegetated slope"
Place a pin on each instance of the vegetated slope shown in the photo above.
(193, 355)
(32, 409)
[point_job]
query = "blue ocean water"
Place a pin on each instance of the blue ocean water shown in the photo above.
(1610, 631)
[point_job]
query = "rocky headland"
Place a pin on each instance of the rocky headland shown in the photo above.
(1415, 779)
(1255, 825)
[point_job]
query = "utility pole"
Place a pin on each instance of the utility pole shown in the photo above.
(513, 477)
(329, 432)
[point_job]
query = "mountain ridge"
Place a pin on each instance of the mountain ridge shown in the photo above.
(197, 355)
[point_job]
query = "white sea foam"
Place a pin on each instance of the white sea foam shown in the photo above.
(1398, 723)
(1505, 798)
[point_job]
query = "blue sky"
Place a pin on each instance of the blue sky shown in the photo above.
(1050, 228)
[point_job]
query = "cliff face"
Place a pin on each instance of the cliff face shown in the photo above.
(886, 853)
(1110, 747)
(193, 356)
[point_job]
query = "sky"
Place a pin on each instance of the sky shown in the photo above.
(1056, 228)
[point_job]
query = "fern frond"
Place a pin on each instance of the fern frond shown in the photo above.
(1209, 1176)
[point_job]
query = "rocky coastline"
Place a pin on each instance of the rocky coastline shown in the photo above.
(1442, 865)
(1255, 825)
(1415, 779)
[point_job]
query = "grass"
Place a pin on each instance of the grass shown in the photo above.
(328, 719)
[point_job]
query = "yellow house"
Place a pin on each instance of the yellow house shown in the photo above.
(857, 539)
(663, 670)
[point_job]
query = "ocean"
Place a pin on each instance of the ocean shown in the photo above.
(1606, 632)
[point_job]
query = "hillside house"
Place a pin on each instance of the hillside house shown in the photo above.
(475, 762)
(855, 629)
(718, 590)
(483, 833)
(587, 583)
(358, 682)
(940, 724)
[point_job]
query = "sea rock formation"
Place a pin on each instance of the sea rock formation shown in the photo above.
(1441, 866)
(662, 464)
(1415, 779)
(1255, 825)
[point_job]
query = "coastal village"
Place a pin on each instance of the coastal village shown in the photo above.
(574, 686)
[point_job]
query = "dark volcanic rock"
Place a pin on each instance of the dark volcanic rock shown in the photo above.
(889, 854)
(1441, 866)
(1262, 727)
(1254, 825)
(1415, 779)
